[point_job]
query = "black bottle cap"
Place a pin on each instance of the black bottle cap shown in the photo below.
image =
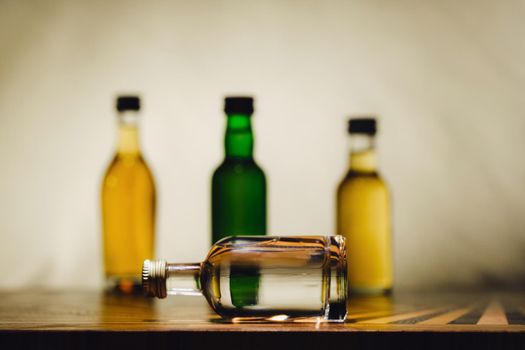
(238, 105)
(128, 103)
(362, 125)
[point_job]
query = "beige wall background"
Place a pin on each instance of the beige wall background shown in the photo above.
(447, 79)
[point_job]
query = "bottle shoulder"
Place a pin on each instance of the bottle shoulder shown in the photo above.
(129, 165)
(239, 166)
(353, 178)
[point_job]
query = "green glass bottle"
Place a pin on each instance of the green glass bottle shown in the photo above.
(238, 184)
(239, 194)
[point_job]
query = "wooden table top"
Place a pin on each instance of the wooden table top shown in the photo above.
(46, 312)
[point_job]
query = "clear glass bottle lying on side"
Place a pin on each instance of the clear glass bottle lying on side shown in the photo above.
(299, 277)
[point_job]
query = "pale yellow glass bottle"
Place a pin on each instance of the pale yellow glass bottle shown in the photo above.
(364, 215)
(128, 205)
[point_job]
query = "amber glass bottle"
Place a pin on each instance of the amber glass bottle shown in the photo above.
(363, 215)
(128, 205)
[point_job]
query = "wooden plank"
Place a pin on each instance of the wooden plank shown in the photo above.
(494, 314)
(447, 317)
(400, 317)
(367, 315)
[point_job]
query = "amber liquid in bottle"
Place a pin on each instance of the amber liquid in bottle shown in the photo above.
(128, 210)
(363, 218)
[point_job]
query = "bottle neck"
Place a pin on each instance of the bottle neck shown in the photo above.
(238, 141)
(183, 279)
(128, 135)
(160, 278)
(362, 153)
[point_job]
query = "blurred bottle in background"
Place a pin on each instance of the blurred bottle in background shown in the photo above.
(239, 195)
(363, 215)
(128, 205)
(238, 184)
